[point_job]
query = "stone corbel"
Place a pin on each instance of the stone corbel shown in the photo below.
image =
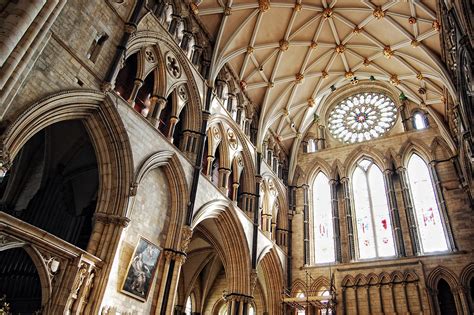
(186, 235)
(111, 219)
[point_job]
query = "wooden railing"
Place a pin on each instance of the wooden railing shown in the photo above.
(66, 272)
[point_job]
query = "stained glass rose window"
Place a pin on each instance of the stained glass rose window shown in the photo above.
(362, 117)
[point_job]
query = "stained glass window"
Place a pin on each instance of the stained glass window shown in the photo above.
(362, 117)
(322, 220)
(374, 229)
(419, 121)
(427, 214)
(189, 306)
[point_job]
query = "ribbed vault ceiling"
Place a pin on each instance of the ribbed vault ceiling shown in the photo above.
(288, 54)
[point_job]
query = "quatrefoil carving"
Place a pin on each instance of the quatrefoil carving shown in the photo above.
(173, 66)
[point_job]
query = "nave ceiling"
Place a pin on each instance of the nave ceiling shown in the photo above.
(289, 56)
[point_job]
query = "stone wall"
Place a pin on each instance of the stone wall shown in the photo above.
(149, 218)
(351, 275)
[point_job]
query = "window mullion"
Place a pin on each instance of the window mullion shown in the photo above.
(395, 216)
(349, 221)
(335, 218)
(410, 211)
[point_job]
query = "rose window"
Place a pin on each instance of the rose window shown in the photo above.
(362, 117)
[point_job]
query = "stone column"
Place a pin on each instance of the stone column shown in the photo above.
(335, 219)
(442, 206)
(403, 116)
(188, 144)
(280, 170)
(18, 16)
(158, 10)
(258, 183)
(137, 84)
(394, 215)
(224, 174)
(321, 138)
(173, 121)
(235, 190)
(185, 41)
(196, 55)
(306, 225)
(230, 102)
(247, 123)
(247, 201)
(205, 64)
(410, 211)
(269, 157)
(238, 304)
(220, 88)
(158, 103)
(240, 110)
(210, 160)
(175, 20)
(349, 221)
(169, 282)
(267, 224)
(275, 165)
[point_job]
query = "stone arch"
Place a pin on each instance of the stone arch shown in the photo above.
(176, 177)
(466, 274)
(337, 169)
(234, 242)
(393, 158)
(372, 278)
(217, 306)
(248, 181)
(438, 144)
(360, 280)
(385, 278)
(40, 265)
(273, 274)
(443, 273)
(320, 283)
(414, 146)
(298, 285)
(108, 137)
(465, 279)
(410, 276)
(361, 152)
(397, 276)
(145, 38)
(348, 281)
(319, 165)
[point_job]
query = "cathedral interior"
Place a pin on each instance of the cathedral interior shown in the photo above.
(236, 157)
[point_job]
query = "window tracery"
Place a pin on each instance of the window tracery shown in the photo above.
(374, 228)
(362, 117)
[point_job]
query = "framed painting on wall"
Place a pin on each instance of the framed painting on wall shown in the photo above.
(141, 270)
